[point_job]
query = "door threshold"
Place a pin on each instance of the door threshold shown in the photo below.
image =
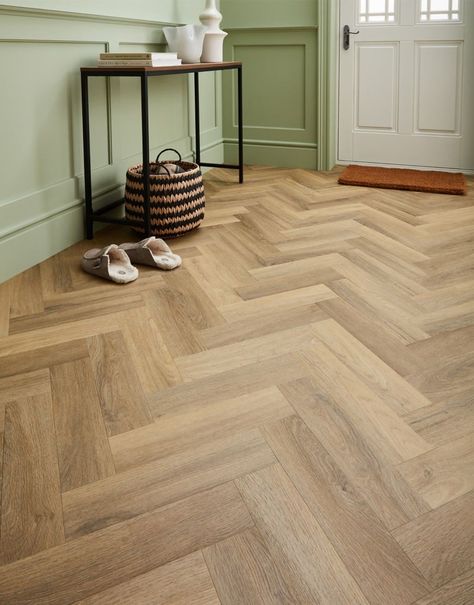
(410, 167)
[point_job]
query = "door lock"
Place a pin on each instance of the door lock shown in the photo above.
(346, 34)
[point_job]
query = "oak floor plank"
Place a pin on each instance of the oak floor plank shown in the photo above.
(5, 308)
(151, 358)
(313, 249)
(180, 309)
(440, 298)
(26, 384)
(444, 320)
(2, 433)
(307, 560)
(228, 385)
(244, 572)
(75, 312)
(229, 357)
(372, 333)
(239, 331)
(142, 489)
(445, 367)
(444, 473)
(390, 258)
(57, 335)
(31, 498)
(122, 397)
(293, 281)
(189, 425)
(383, 487)
(291, 268)
(381, 272)
(185, 581)
(392, 245)
(56, 276)
(251, 309)
(441, 543)
(97, 562)
(384, 288)
(383, 571)
(218, 283)
(459, 591)
(371, 416)
(401, 324)
(42, 358)
(26, 297)
(251, 237)
(83, 449)
(444, 421)
(395, 391)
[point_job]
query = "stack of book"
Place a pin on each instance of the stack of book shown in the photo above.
(137, 59)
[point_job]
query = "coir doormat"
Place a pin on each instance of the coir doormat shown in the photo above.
(400, 178)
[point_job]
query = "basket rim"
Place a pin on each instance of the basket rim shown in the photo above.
(136, 171)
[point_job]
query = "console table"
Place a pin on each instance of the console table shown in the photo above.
(144, 73)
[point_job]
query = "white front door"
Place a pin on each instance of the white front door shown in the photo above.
(406, 83)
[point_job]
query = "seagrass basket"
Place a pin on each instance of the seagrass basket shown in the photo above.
(177, 199)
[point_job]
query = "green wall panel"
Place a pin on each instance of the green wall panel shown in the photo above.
(36, 149)
(280, 91)
(273, 72)
(269, 13)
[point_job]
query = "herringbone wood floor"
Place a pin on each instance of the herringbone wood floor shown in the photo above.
(288, 418)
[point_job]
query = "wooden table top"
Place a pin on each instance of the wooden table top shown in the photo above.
(140, 70)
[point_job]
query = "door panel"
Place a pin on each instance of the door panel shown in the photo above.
(379, 109)
(438, 85)
(406, 83)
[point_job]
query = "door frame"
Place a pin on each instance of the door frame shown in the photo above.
(328, 112)
(328, 83)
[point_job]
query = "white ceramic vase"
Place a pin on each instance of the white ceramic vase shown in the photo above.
(213, 48)
(187, 41)
(211, 17)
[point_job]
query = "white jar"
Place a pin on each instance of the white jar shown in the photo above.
(213, 49)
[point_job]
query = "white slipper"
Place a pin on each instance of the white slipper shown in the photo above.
(152, 251)
(110, 263)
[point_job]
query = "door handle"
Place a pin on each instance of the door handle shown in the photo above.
(346, 36)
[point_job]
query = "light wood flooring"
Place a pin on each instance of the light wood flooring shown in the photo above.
(286, 419)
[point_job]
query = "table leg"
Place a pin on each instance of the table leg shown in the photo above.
(87, 156)
(145, 156)
(197, 117)
(241, 124)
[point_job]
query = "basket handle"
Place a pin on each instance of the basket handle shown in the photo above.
(168, 149)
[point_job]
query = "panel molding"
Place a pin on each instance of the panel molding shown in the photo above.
(144, 11)
(424, 45)
(274, 154)
(359, 48)
(266, 142)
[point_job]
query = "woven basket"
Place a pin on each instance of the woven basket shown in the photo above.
(176, 200)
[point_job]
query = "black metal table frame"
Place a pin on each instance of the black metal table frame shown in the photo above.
(92, 216)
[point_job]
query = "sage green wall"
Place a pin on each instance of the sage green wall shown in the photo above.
(42, 45)
(277, 42)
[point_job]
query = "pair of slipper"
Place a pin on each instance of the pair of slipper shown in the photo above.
(115, 263)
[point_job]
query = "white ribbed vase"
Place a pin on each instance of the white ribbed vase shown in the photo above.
(211, 17)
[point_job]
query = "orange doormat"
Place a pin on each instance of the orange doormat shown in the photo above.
(430, 181)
